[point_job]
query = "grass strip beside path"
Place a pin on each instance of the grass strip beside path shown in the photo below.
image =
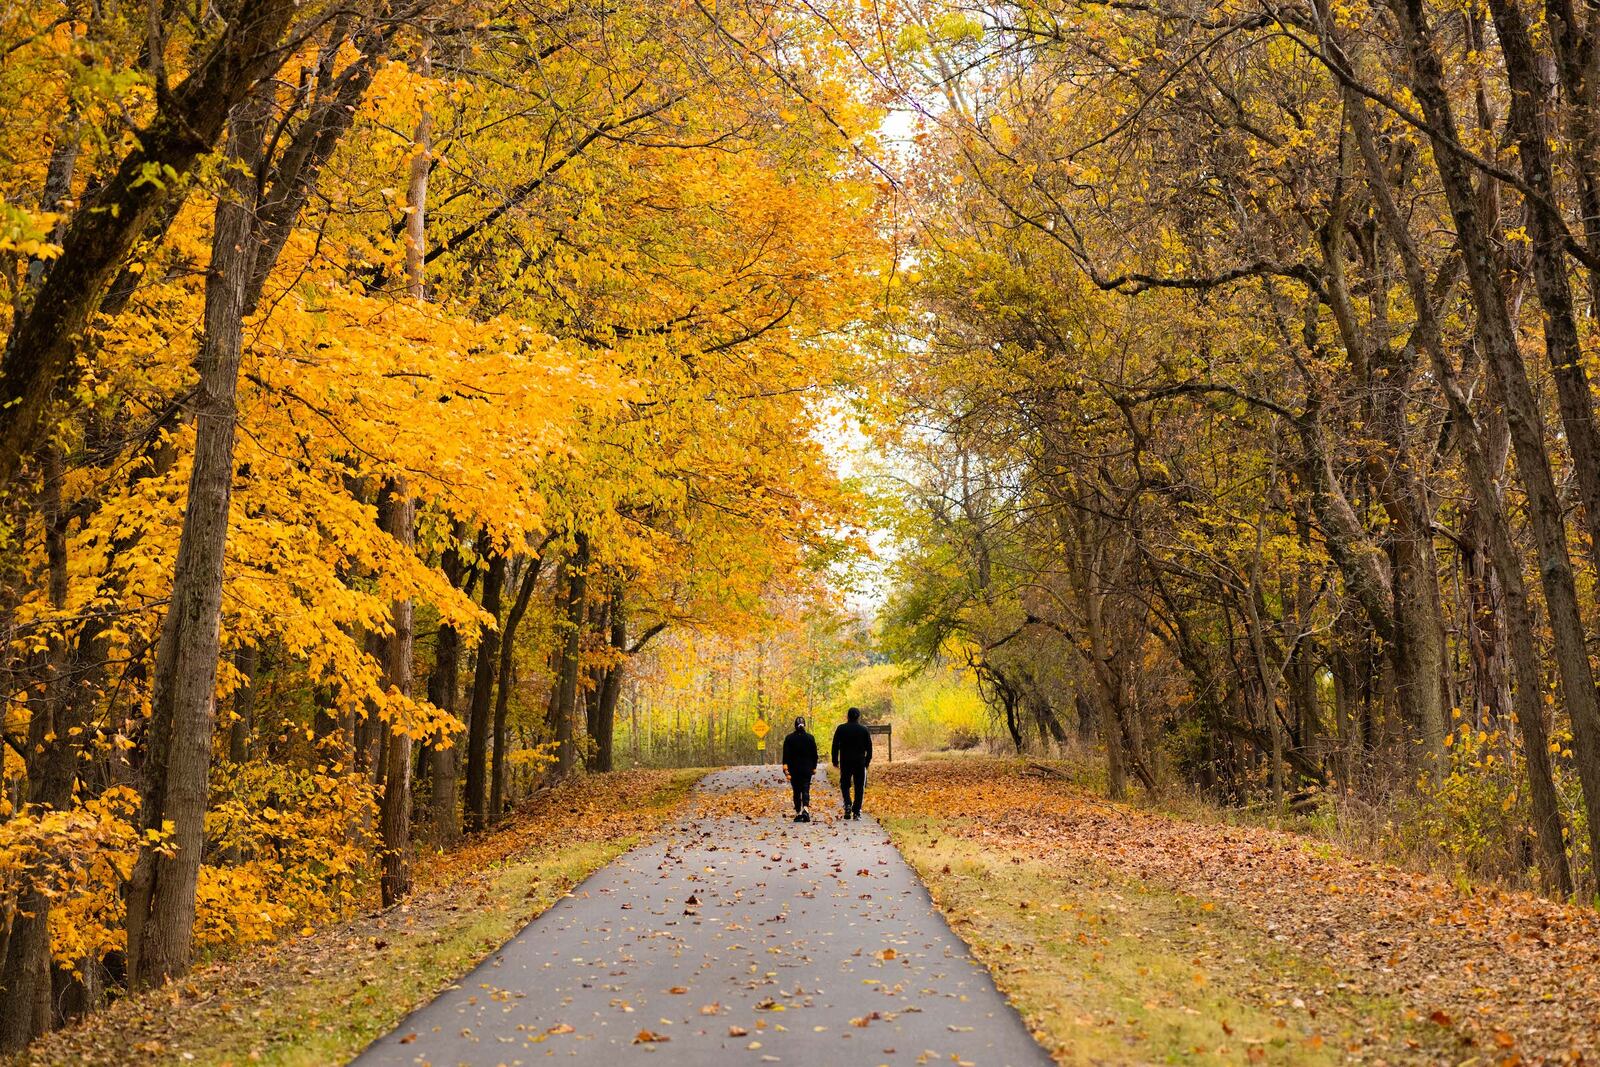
(1109, 971)
(321, 998)
(1132, 936)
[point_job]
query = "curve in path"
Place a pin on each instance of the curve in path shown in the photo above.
(729, 941)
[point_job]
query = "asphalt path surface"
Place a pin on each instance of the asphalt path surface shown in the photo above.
(738, 937)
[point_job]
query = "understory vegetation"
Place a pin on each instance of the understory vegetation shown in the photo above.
(932, 710)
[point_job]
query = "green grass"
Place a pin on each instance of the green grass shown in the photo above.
(1109, 970)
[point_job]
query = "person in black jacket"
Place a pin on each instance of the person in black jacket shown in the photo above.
(852, 754)
(800, 763)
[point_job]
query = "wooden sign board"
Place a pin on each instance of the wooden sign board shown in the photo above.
(886, 731)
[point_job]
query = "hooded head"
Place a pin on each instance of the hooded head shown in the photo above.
(854, 714)
(800, 723)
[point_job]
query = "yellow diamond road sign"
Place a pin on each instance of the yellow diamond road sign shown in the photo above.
(760, 727)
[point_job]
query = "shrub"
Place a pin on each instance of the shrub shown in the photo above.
(283, 846)
(1476, 818)
(963, 738)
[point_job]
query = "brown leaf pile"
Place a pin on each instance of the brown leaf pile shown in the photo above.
(1518, 977)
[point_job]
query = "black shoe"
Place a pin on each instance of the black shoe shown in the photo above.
(805, 816)
(856, 815)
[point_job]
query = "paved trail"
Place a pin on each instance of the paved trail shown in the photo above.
(731, 941)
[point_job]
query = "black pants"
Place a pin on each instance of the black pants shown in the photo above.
(849, 774)
(802, 791)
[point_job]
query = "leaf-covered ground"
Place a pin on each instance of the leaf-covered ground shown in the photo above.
(319, 999)
(1130, 936)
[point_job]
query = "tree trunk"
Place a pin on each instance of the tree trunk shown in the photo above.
(54, 716)
(611, 686)
(566, 708)
(443, 683)
(1267, 675)
(247, 660)
(367, 729)
(1529, 121)
(1342, 719)
(1527, 429)
(161, 904)
(502, 700)
(1420, 648)
(397, 513)
(479, 717)
(599, 620)
(1483, 615)
(252, 224)
(1086, 717)
(1121, 735)
(1562, 345)
(1116, 768)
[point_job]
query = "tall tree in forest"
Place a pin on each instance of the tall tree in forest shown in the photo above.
(564, 708)
(397, 513)
(480, 719)
(253, 222)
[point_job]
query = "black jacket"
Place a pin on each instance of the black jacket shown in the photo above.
(852, 745)
(800, 753)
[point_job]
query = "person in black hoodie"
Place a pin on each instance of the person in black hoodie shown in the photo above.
(852, 754)
(800, 763)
